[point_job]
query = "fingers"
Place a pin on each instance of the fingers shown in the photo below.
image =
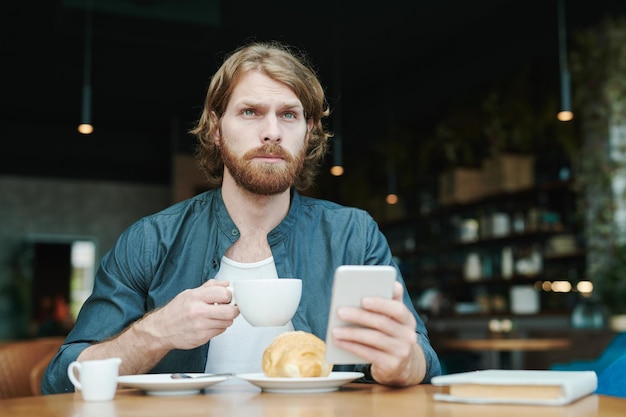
(196, 315)
(384, 333)
(393, 309)
(187, 321)
(385, 337)
(398, 291)
(215, 292)
(213, 282)
(396, 322)
(384, 351)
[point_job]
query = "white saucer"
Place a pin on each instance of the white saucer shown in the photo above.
(301, 385)
(163, 384)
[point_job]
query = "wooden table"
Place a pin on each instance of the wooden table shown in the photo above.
(362, 400)
(494, 346)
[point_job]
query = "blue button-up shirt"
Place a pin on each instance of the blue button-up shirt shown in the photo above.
(181, 247)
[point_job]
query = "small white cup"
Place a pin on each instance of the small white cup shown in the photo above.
(96, 379)
(267, 302)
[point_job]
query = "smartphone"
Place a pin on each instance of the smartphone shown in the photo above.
(350, 284)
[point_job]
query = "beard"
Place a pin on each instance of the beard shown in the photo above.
(259, 177)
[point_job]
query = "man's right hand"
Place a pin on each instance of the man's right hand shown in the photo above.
(189, 320)
(193, 317)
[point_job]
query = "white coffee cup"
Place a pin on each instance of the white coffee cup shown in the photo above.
(96, 379)
(267, 302)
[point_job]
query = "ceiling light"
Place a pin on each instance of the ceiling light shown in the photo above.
(565, 114)
(85, 127)
(392, 186)
(337, 168)
(392, 199)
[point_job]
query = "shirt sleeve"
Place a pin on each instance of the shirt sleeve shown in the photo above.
(379, 253)
(118, 298)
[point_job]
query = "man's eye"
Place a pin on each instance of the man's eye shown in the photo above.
(289, 115)
(248, 112)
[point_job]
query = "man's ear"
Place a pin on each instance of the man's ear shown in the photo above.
(215, 129)
(309, 127)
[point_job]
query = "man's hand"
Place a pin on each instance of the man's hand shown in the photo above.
(193, 317)
(388, 339)
(189, 320)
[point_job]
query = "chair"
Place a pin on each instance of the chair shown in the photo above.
(22, 364)
(612, 381)
(614, 350)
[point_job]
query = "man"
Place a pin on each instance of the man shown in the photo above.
(160, 300)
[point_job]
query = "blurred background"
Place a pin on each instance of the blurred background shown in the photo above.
(392, 71)
(449, 105)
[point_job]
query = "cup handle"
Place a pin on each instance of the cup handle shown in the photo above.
(72, 376)
(233, 302)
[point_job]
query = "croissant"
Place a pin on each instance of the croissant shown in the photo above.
(296, 354)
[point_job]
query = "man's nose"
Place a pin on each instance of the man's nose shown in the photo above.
(271, 130)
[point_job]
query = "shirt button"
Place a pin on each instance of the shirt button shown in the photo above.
(234, 232)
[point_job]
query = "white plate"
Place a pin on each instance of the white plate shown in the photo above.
(163, 384)
(301, 385)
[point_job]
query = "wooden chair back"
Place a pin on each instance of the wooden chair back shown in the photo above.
(22, 364)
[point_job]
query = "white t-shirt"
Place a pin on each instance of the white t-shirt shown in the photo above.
(240, 348)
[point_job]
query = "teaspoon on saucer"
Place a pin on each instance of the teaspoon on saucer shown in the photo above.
(180, 375)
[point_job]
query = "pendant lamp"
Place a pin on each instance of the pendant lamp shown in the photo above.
(85, 127)
(565, 113)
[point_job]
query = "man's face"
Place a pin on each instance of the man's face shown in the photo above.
(262, 135)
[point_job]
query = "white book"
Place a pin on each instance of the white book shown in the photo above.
(497, 386)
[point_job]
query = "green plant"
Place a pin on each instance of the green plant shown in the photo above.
(598, 64)
(611, 283)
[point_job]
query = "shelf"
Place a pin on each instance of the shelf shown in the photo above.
(503, 197)
(577, 254)
(460, 249)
